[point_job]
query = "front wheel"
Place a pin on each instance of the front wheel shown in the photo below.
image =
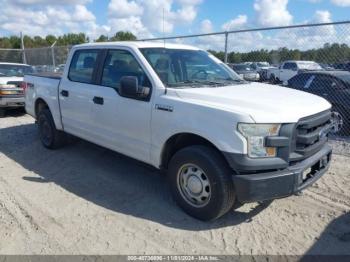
(272, 79)
(200, 182)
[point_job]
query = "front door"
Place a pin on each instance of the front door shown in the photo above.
(120, 123)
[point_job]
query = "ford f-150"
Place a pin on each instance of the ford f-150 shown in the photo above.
(220, 139)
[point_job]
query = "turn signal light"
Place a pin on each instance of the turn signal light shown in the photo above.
(271, 151)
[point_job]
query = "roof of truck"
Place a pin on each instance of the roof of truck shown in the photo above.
(299, 61)
(139, 44)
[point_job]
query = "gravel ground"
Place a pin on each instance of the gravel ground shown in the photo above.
(84, 199)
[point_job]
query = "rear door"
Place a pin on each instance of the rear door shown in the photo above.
(75, 93)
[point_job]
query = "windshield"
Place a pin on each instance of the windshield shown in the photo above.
(14, 70)
(189, 68)
(263, 64)
(309, 66)
(345, 78)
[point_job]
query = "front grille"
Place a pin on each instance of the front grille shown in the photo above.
(15, 90)
(310, 134)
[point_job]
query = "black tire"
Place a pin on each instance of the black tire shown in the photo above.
(222, 195)
(50, 137)
(344, 113)
(272, 79)
(2, 112)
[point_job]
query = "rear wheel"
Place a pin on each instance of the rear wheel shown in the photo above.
(2, 112)
(50, 137)
(200, 182)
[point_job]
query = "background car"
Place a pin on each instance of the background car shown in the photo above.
(342, 66)
(59, 68)
(333, 86)
(289, 69)
(12, 85)
(326, 66)
(261, 68)
(246, 72)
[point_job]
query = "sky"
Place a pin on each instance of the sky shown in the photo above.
(144, 18)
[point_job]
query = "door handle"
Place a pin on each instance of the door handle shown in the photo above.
(65, 93)
(98, 100)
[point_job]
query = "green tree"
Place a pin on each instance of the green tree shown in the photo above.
(123, 36)
(50, 39)
(102, 38)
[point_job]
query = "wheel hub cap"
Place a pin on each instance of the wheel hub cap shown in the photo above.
(194, 185)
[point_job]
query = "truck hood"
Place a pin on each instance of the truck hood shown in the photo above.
(263, 103)
(4, 80)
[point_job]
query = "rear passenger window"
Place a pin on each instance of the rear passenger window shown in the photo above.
(287, 66)
(82, 66)
(121, 63)
(290, 66)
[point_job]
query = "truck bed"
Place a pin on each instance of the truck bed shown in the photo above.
(44, 86)
(51, 75)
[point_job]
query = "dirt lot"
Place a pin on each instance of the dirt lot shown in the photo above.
(84, 199)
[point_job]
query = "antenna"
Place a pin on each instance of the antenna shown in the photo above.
(166, 89)
(163, 28)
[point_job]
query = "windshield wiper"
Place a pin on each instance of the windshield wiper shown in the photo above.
(193, 83)
(201, 83)
(240, 81)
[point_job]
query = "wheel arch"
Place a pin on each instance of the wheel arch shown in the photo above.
(39, 105)
(181, 140)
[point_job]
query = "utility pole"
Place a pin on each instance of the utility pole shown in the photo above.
(53, 54)
(226, 39)
(23, 50)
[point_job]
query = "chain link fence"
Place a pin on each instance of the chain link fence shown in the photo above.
(44, 59)
(271, 55)
(314, 58)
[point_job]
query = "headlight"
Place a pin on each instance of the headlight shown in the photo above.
(255, 135)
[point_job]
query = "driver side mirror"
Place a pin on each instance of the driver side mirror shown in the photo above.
(129, 87)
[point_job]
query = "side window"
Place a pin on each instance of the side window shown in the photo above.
(286, 66)
(121, 63)
(293, 66)
(163, 66)
(321, 82)
(82, 66)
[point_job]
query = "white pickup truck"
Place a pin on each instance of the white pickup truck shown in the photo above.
(221, 139)
(289, 69)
